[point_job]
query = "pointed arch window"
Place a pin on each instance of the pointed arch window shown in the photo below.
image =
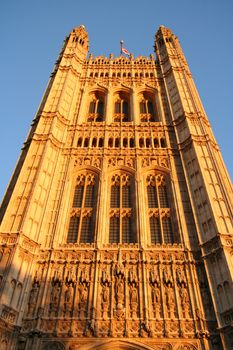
(121, 108)
(159, 210)
(83, 211)
(121, 228)
(96, 108)
(147, 109)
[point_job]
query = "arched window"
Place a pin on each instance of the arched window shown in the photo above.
(141, 142)
(86, 142)
(101, 142)
(147, 108)
(117, 142)
(110, 142)
(159, 210)
(80, 140)
(121, 229)
(147, 143)
(83, 212)
(94, 142)
(162, 142)
(156, 143)
(121, 108)
(96, 108)
(131, 143)
(125, 142)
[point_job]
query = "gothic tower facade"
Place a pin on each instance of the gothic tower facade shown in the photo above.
(116, 227)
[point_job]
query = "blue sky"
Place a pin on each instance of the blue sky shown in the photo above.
(32, 33)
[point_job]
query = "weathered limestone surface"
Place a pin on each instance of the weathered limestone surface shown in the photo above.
(116, 228)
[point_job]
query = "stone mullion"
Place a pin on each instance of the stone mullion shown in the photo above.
(92, 295)
(109, 110)
(177, 300)
(142, 211)
(75, 309)
(135, 109)
(95, 279)
(102, 207)
(144, 281)
(126, 294)
(159, 211)
(162, 294)
(151, 140)
(135, 209)
(112, 300)
(120, 212)
(81, 211)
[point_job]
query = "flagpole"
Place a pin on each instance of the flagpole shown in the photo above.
(121, 43)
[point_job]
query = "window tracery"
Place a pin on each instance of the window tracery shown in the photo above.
(121, 228)
(147, 108)
(96, 107)
(83, 212)
(159, 210)
(121, 108)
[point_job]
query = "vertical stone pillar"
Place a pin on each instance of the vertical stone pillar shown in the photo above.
(109, 108)
(135, 108)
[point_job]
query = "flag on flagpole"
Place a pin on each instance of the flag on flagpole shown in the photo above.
(125, 51)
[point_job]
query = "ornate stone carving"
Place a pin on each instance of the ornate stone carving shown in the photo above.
(33, 296)
(170, 301)
(119, 161)
(118, 328)
(82, 299)
(8, 314)
(68, 298)
(54, 345)
(145, 329)
(94, 161)
(154, 161)
(184, 301)
(105, 294)
(186, 347)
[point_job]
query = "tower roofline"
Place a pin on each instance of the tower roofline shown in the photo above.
(81, 26)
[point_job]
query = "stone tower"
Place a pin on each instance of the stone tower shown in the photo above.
(116, 225)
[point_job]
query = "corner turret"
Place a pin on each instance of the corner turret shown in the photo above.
(78, 41)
